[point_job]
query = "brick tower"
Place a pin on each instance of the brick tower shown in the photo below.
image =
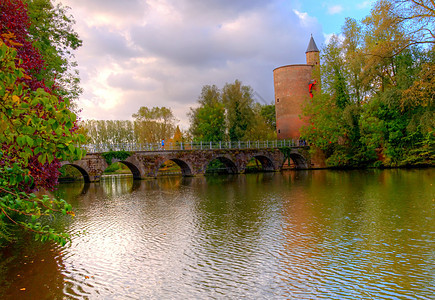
(293, 87)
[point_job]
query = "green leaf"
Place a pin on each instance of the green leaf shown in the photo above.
(42, 158)
(21, 140)
(79, 153)
(38, 150)
(29, 140)
(71, 148)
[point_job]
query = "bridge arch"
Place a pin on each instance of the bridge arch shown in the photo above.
(186, 169)
(299, 160)
(133, 169)
(267, 164)
(82, 171)
(230, 166)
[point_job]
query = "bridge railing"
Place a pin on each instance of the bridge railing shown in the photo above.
(97, 148)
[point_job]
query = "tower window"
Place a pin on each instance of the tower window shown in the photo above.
(279, 130)
(277, 99)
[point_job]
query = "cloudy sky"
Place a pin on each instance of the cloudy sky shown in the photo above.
(161, 52)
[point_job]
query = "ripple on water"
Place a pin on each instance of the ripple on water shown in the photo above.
(244, 237)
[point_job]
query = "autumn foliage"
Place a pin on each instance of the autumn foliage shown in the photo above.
(14, 32)
(37, 130)
(14, 27)
(376, 107)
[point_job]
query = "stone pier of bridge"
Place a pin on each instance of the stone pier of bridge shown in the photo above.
(145, 164)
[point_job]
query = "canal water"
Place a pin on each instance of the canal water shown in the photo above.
(367, 234)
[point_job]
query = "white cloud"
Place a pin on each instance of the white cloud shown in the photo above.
(365, 4)
(161, 52)
(304, 18)
(335, 9)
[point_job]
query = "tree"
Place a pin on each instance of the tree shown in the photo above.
(354, 61)
(333, 117)
(238, 102)
(263, 125)
(14, 31)
(153, 125)
(422, 90)
(333, 73)
(231, 114)
(36, 132)
(44, 39)
(341, 94)
(384, 39)
(419, 17)
(377, 101)
(207, 122)
(37, 129)
(178, 136)
(332, 60)
(268, 113)
(325, 128)
(51, 31)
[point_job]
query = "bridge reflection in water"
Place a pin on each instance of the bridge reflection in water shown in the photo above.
(193, 158)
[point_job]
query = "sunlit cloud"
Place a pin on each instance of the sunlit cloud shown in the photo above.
(161, 52)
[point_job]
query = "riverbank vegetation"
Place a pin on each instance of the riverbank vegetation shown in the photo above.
(38, 128)
(149, 125)
(231, 114)
(376, 106)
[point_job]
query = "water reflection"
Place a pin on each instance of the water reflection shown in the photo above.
(21, 268)
(305, 235)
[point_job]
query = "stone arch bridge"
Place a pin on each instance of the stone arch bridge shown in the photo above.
(145, 164)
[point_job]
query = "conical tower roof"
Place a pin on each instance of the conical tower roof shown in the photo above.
(312, 47)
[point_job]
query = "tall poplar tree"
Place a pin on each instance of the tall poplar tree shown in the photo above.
(238, 101)
(151, 125)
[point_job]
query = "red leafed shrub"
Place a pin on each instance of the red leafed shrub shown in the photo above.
(14, 25)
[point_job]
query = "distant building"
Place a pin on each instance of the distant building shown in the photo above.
(294, 85)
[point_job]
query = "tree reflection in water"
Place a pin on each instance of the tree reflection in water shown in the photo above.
(325, 234)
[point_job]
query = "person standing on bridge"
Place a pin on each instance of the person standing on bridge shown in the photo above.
(163, 144)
